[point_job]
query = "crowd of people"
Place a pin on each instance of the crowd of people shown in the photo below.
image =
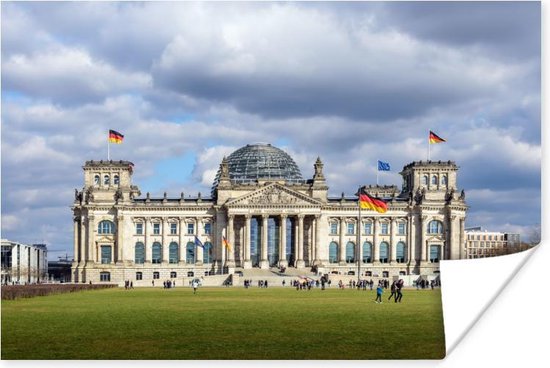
(424, 284)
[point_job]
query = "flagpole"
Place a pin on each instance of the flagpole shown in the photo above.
(108, 147)
(377, 170)
(428, 147)
(359, 228)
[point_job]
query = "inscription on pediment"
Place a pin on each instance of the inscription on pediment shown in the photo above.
(273, 195)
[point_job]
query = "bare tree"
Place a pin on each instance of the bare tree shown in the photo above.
(535, 235)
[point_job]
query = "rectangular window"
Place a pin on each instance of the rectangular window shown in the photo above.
(434, 253)
(401, 228)
(208, 228)
(139, 276)
(139, 229)
(105, 254)
(173, 275)
(156, 229)
(190, 229)
(333, 228)
(104, 276)
(173, 229)
(384, 228)
(351, 229)
(368, 228)
(156, 275)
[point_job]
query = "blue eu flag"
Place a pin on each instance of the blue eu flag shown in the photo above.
(383, 166)
(198, 243)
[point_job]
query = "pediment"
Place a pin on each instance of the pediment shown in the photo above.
(104, 238)
(273, 195)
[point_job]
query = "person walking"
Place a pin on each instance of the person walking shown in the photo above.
(393, 290)
(379, 291)
(195, 285)
(398, 292)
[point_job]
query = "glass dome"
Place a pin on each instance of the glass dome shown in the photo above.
(261, 161)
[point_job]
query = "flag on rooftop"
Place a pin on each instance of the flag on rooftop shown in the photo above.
(115, 137)
(383, 166)
(366, 201)
(434, 138)
(198, 243)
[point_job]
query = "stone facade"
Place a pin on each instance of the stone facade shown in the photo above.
(268, 222)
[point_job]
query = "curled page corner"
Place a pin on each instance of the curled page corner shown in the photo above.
(470, 286)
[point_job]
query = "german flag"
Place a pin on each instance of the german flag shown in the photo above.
(434, 138)
(366, 201)
(226, 244)
(115, 137)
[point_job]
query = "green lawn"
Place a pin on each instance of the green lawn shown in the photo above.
(223, 323)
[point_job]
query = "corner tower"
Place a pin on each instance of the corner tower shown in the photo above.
(108, 182)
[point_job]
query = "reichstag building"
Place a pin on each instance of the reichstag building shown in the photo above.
(272, 219)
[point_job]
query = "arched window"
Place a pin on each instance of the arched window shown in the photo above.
(106, 227)
(106, 180)
(425, 180)
(116, 180)
(157, 253)
(444, 180)
(173, 250)
(367, 252)
(400, 252)
(97, 179)
(190, 253)
(350, 252)
(139, 253)
(333, 252)
(434, 180)
(207, 253)
(384, 247)
(435, 227)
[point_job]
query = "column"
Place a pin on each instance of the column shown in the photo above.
(411, 242)
(393, 242)
(360, 240)
(461, 254)
(317, 242)
(76, 243)
(423, 245)
(91, 239)
(300, 256)
(247, 263)
(231, 239)
(82, 248)
(376, 241)
(119, 255)
(264, 263)
(148, 245)
(164, 241)
(282, 244)
(183, 246)
(342, 246)
(200, 250)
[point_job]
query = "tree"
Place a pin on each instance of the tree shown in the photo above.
(534, 235)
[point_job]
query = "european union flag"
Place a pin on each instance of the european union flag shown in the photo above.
(383, 166)
(198, 243)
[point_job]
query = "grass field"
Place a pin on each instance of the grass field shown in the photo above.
(223, 323)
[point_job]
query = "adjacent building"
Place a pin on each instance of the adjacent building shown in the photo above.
(23, 264)
(481, 243)
(262, 214)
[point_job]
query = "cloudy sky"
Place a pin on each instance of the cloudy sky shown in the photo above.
(188, 83)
